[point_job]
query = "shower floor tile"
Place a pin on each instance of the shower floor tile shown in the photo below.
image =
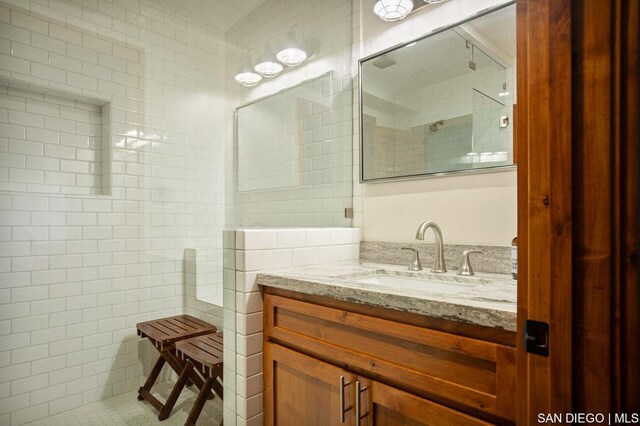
(125, 409)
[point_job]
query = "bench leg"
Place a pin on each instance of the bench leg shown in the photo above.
(175, 392)
(193, 376)
(217, 387)
(155, 372)
(199, 404)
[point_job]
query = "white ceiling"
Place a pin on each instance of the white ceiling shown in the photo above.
(216, 14)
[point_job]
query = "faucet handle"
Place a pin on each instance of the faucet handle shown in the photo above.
(415, 262)
(465, 266)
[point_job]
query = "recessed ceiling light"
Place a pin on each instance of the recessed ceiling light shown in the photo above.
(392, 10)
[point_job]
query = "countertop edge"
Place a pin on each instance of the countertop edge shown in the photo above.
(486, 317)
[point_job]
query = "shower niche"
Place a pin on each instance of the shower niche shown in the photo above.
(441, 104)
(53, 142)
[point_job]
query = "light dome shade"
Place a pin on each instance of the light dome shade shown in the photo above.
(248, 78)
(291, 56)
(269, 68)
(392, 10)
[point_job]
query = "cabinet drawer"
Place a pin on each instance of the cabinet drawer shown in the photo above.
(451, 369)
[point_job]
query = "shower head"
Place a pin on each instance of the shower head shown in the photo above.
(434, 126)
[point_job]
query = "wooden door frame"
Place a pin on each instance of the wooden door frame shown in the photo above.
(578, 208)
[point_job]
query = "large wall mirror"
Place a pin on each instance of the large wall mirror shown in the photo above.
(441, 104)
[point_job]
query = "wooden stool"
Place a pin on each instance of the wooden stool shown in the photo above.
(164, 333)
(203, 354)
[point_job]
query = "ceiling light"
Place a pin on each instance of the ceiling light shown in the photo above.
(392, 10)
(291, 56)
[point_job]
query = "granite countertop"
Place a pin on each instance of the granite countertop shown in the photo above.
(486, 299)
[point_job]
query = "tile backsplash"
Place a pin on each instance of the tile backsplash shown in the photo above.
(496, 259)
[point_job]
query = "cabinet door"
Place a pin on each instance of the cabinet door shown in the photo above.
(301, 390)
(383, 405)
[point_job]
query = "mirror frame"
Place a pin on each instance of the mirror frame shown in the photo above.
(493, 169)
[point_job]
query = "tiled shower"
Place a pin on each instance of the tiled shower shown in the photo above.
(118, 176)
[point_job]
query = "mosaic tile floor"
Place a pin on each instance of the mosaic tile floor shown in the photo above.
(126, 410)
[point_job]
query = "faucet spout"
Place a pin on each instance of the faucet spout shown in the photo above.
(438, 258)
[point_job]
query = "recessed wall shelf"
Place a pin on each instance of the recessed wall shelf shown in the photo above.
(52, 142)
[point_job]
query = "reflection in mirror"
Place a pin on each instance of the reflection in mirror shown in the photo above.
(441, 104)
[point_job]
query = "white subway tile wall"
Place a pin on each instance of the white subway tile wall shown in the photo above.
(258, 250)
(79, 269)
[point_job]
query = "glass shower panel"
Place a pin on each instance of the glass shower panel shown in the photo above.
(288, 162)
(294, 148)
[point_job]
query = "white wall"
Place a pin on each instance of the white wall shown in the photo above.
(474, 209)
(78, 272)
(477, 209)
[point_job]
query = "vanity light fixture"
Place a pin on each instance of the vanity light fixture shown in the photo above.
(292, 53)
(392, 10)
(246, 76)
(269, 68)
(291, 56)
(267, 65)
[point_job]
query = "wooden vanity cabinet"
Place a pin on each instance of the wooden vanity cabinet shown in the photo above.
(306, 391)
(393, 368)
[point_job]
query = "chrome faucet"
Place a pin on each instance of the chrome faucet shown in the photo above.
(438, 258)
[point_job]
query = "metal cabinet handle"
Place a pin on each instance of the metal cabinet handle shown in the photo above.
(342, 409)
(359, 390)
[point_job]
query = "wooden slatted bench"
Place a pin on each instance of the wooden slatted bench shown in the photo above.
(203, 354)
(164, 333)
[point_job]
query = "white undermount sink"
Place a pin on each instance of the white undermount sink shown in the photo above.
(410, 283)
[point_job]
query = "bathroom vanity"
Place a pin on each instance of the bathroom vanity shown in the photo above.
(371, 344)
